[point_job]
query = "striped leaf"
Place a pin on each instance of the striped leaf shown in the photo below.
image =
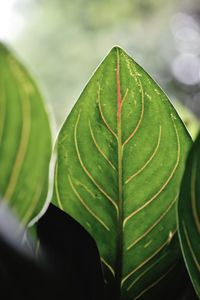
(25, 140)
(121, 156)
(189, 215)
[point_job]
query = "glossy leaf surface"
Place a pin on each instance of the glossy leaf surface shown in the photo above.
(121, 155)
(189, 215)
(25, 140)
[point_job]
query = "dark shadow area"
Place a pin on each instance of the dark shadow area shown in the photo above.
(21, 276)
(68, 266)
(72, 255)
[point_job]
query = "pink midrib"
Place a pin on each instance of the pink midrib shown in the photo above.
(119, 99)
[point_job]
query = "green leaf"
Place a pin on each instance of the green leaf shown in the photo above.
(188, 215)
(121, 156)
(190, 120)
(25, 140)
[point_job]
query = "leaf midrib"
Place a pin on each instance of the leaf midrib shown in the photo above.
(120, 187)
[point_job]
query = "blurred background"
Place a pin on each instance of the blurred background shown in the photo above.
(63, 41)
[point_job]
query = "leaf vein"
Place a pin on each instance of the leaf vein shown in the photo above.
(193, 194)
(86, 170)
(103, 117)
(163, 186)
(154, 224)
(148, 259)
(194, 257)
(26, 126)
(147, 270)
(108, 266)
(154, 283)
(140, 118)
(149, 160)
(85, 205)
(99, 148)
(3, 113)
(56, 188)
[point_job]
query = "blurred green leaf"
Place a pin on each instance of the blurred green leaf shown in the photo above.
(25, 140)
(121, 155)
(189, 215)
(189, 119)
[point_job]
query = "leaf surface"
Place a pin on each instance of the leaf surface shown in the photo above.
(25, 140)
(189, 215)
(121, 155)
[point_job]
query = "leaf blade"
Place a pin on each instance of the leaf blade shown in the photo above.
(188, 215)
(130, 118)
(25, 140)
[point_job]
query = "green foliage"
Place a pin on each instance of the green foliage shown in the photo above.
(191, 122)
(188, 215)
(121, 155)
(25, 140)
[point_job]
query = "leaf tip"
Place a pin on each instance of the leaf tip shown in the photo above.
(117, 49)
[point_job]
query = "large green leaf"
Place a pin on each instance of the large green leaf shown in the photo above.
(189, 215)
(121, 156)
(25, 140)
